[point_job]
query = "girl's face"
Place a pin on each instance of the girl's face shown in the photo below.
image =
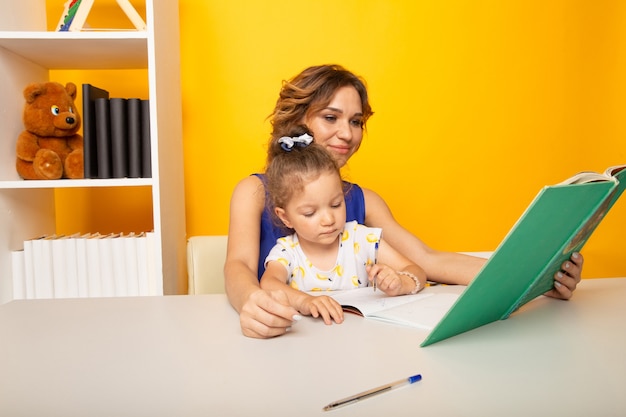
(338, 127)
(318, 213)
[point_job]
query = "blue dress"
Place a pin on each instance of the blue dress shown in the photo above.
(271, 231)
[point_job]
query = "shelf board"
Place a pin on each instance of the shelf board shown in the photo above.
(80, 50)
(87, 183)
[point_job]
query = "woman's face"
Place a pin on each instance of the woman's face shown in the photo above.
(338, 127)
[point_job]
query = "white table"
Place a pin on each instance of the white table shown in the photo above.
(185, 356)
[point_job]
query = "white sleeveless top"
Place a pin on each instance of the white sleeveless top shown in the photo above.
(357, 249)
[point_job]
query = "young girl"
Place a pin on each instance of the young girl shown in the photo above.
(325, 253)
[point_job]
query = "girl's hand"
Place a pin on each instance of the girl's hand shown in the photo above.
(387, 280)
(322, 306)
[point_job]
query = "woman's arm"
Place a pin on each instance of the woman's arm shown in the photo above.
(450, 267)
(262, 314)
(445, 267)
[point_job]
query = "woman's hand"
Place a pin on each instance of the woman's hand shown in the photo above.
(267, 314)
(321, 306)
(566, 280)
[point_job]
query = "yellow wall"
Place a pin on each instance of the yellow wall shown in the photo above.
(478, 104)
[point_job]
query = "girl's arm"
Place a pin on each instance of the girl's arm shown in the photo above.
(262, 314)
(275, 278)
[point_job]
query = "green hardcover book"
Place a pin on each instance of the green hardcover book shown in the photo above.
(558, 222)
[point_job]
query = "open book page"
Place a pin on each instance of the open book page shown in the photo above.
(423, 310)
(367, 301)
(422, 314)
(588, 176)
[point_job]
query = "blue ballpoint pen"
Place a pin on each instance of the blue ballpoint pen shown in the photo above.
(375, 262)
(370, 393)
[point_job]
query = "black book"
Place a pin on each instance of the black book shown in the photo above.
(103, 138)
(146, 162)
(90, 94)
(119, 127)
(134, 137)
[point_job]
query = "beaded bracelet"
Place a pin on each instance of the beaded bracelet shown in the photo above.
(414, 278)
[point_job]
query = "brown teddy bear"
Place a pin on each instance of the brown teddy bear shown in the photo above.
(50, 148)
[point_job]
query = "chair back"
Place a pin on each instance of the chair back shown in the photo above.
(205, 264)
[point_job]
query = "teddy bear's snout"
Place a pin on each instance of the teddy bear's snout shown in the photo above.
(66, 121)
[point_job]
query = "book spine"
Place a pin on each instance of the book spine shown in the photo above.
(42, 268)
(119, 152)
(146, 161)
(71, 266)
(143, 272)
(103, 138)
(89, 135)
(134, 137)
(90, 155)
(105, 261)
(155, 278)
(119, 265)
(131, 266)
(82, 270)
(93, 265)
(29, 273)
(59, 267)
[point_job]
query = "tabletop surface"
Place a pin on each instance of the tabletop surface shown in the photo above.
(186, 356)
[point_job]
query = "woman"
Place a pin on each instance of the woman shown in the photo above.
(333, 104)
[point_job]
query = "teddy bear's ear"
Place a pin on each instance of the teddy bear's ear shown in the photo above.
(71, 90)
(34, 90)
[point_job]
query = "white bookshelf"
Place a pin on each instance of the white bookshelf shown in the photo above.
(27, 53)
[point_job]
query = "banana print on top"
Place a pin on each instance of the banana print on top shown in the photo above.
(357, 248)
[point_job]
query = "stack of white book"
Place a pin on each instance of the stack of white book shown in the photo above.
(89, 265)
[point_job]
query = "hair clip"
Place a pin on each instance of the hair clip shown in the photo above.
(287, 143)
